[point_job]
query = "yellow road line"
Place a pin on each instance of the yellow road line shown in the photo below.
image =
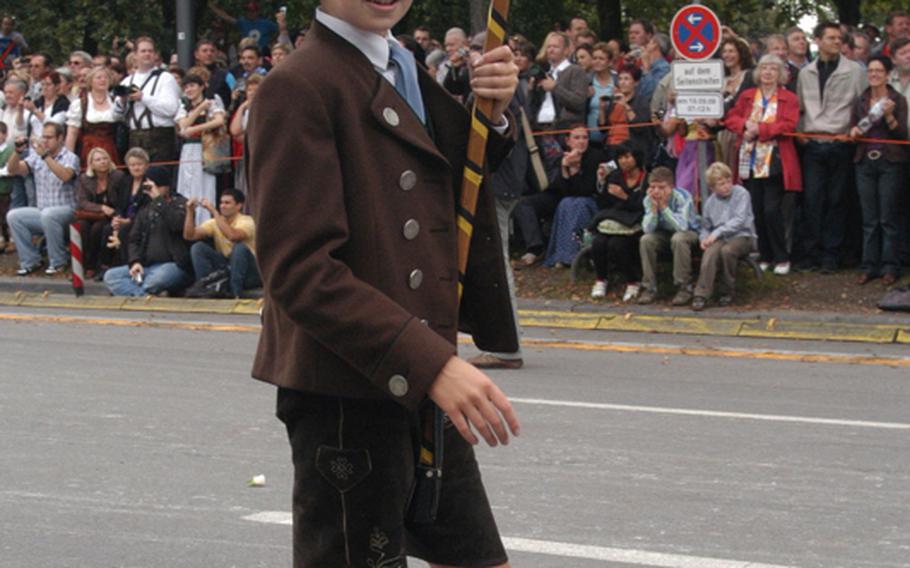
(769, 355)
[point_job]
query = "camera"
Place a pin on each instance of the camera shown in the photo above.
(463, 52)
(146, 187)
(123, 90)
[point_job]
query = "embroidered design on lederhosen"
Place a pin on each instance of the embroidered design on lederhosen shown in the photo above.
(378, 543)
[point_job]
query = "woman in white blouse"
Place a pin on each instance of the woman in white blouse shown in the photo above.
(52, 104)
(92, 118)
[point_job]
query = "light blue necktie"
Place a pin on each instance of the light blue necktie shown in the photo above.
(406, 78)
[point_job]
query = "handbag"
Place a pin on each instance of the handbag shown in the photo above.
(540, 178)
(614, 227)
(86, 215)
(216, 151)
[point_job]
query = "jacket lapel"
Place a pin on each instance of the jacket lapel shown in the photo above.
(394, 114)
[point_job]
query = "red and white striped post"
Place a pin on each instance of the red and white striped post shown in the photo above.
(76, 256)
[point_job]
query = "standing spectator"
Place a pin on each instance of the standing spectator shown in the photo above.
(585, 38)
(423, 38)
(250, 62)
(195, 118)
(617, 225)
(238, 128)
(252, 25)
(582, 58)
(797, 48)
(897, 26)
(79, 63)
(234, 237)
(560, 97)
(827, 89)
(640, 33)
(6, 185)
(158, 257)
(279, 52)
(577, 25)
(601, 90)
(21, 123)
(39, 68)
(767, 161)
(737, 58)
(862, 47)
(9, 35)
(205, 55)
(880, 113)
(52, 104)
(669, 224)
(899, 78)
(576, 185)
(776, 44)
(727, 234)
(456, 46)
(97, 193)
(151, 105)
(55, 169)
(654, 64)
(93, 118)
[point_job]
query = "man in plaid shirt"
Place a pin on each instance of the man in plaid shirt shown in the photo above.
(55, 169)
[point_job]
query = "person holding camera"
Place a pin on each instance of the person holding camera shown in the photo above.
(52, 104)
(559, 96)
(159, 260)
(234, 237)
(54, 169)
(150, 99)
(21, 123)
(197, 117)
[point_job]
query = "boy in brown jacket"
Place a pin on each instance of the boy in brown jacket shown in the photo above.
(356, 157)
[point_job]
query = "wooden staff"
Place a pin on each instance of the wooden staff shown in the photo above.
(425, 500)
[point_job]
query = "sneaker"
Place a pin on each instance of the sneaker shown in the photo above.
(682, 297)
(528, 259)
(631, 292)
(647, 297)
(698, 303)
(599, 290)
(725, 300)
(782, 268)
(25, 271)
(52, 270)
(764, 266)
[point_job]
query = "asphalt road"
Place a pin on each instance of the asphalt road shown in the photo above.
(131, 446)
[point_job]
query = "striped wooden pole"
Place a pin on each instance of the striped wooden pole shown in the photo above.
(429, 471)
(76, 257)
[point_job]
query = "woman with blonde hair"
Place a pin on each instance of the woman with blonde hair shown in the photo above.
(92, 118)
(97, 204)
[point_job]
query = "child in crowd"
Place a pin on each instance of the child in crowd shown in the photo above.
(727, 234)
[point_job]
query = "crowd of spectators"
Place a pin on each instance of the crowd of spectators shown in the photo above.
(147, 156)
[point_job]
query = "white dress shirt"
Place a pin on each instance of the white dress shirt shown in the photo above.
(547, 113)
(162, 100)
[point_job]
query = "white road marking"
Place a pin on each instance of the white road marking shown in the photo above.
(628, 556)
(587, 552)
(715, 414)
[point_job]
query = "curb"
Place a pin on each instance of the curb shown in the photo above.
(748, 326)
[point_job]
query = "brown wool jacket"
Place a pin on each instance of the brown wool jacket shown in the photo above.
(355, 205)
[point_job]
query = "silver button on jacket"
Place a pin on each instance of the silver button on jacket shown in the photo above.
(411, 229)
(398, 386)
(415, 279)
(390, 116)
(407, 181)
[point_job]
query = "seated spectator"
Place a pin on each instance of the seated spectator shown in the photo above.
(617, 225)
(768, 163)
(131, 199)
(197, 117)
(96, 202)
(6, 185)
(158, 257)
(92, 119)
(576, 185)
(533, 209)
(234, 235)
(880, 113)
(670, 224)
(54, 169)
(52, 104)
(727, 234)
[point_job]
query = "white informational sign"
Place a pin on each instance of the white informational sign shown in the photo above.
(690, 105)
(704, 76)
